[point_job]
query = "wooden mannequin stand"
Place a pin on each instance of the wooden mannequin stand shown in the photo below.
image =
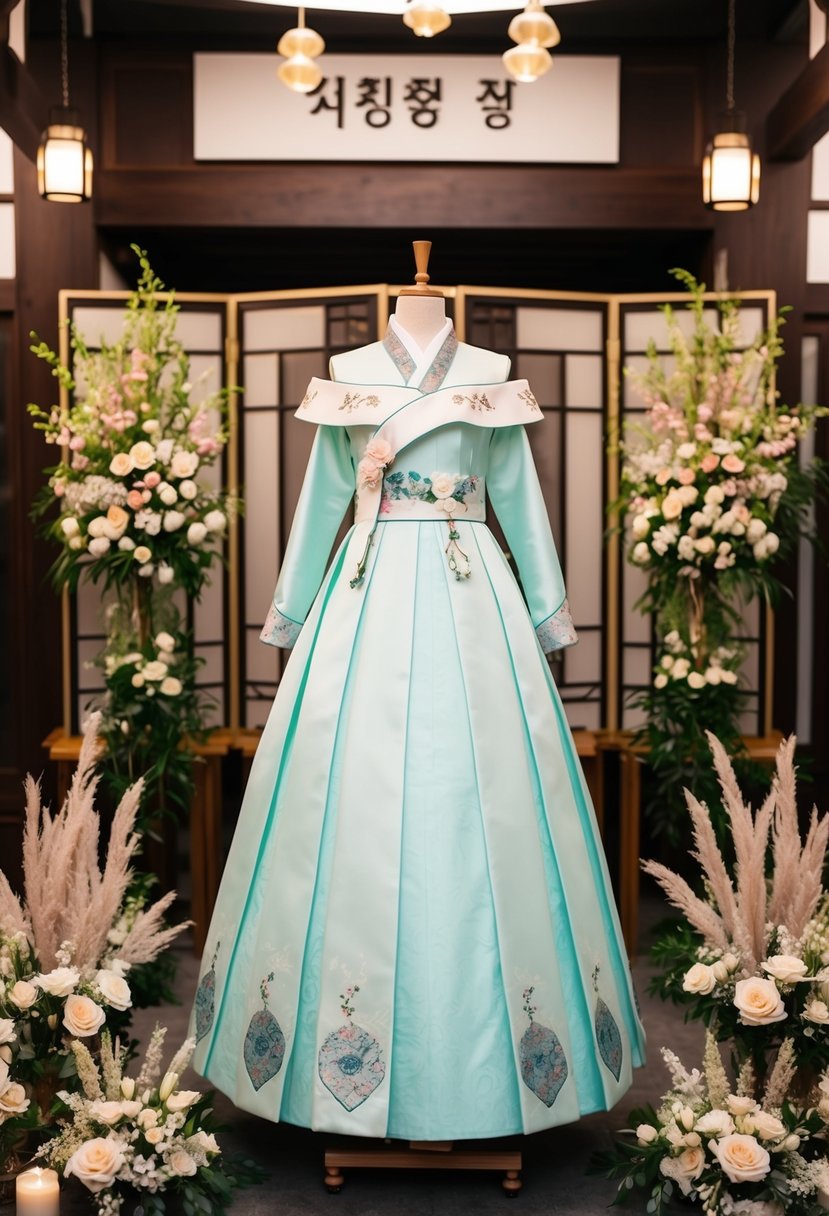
(420, 310)
(422, 1155)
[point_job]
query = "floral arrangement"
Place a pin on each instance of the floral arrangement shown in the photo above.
(138, 511)
(68, 947)
(752, 962)
(142, 1136)
(735, 1153)
(714, 496)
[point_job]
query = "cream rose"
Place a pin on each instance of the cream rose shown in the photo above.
(7, 1033)
(13, 1099)
(696, 680)
(641, 553)
(699, 979)
(114, 989)
(742, 1158)
(785, 968)
(148, 1118)
(167, 495)
(188, 489)
(142, 454)
(116, 522)
(672, 505)
(95, 1163)
(165, 641)
(182, 1099)
(758, 1001)
(23, 994)
(156, 670)
(142, 554)
(817, 1011)
(715, 1123)
(215, 521)
(82, 1017)
(69, 526)
(99, 545)
(685, 1168)
(646, 1133)
(443, 485)
(766, 1126)
(184, 464)
(741, 1105)
(154, 1135)
(106, 1112)
(173, 520)
(59, 982)
(181, 1163)
(196, 533)
(121, 464)
(170, 686)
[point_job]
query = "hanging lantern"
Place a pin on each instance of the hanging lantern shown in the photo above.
(64, 160)
(533, 30)
(730, 169)
(300, 46)
(426, 18)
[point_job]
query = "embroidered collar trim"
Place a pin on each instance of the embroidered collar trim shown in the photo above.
(405, 363)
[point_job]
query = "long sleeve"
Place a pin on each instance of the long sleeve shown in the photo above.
(326, 492)
(514, 491)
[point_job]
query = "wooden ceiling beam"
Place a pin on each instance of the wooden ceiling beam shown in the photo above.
(24, 109)
(801, 116)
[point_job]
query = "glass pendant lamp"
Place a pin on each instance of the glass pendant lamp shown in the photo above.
(64, 160)
(730, 168)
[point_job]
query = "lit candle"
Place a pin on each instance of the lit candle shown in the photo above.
(38, 1193)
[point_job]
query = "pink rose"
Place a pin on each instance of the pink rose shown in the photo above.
(60, 489)
(704, 413)
(135, 499)
(152, 480)
(733, 464)
(379, 450)
(686, 476)
(663, 477)
(709, 462)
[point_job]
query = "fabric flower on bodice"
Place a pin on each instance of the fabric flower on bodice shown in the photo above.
(377, 456)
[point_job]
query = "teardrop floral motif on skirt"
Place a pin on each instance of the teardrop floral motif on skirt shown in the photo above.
(351, 1064)
(607, 1032)
(264, 1048)
(206, 998)
(543, 1063)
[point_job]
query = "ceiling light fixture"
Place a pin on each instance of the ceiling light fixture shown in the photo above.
(64, 161)
(300, 46)
(533, 30)
(426, 18)
(730, 170)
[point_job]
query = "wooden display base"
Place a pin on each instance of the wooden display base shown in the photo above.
(422, 1155)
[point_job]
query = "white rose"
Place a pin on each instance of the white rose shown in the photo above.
(700, 978)
(739, 1104)
(146, 571)
(147, 1118)
(215, 521)
(96, 1163)
(7, 1031)
(713, 675)
(758, 1001)
(154, 1135)
(150, 426)
(766, 1126)
(75, 542)
(443, 485)
(641, 553)
(688, 495)
(184, 464)
(164, 641)
(755, 530)
(714, 495)
(661, 680)
(182, 1099)
(772, 542)
(170, 686)
(142, 454)
(640, 526)
(188, 489)
(672, 505)
(206, 1142)
(121, 464)
(106, 1112)
(23, 994)
(715, 1123)
(82, 1017)
(69, 526)
(196, 533)
(13, 1100)
(59, 982)
(646, 1133)
(167, 495)
(126, 544)
(729, 677)
(114, 989)
(99, 546)
(696, 679)
(173, 520)
(142, 554)
(681, 669)
(686, 450)
(785, 968)
(165, 573)
(685, 1168)
(742, 1158)
(705, 545)
(181, 1163)
(97, 526)
(817, 1011)
(156, 670)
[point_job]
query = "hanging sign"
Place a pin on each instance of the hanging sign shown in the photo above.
(407, 108)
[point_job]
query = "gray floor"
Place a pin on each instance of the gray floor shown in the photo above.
(554, 1161)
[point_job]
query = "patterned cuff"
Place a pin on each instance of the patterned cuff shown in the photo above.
(279, 630)
(557, 631)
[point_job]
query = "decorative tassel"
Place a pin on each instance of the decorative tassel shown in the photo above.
(453, 552)
(362, 563)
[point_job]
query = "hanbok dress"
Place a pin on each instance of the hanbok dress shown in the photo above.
(415, 934)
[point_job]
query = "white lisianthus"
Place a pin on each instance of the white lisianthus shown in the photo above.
(165, 641)
(715, 1123)
(107, 1112)
(196, 533)
(95, 1163)
(156, 670)
(142, 454)
(130, 1106)
(167, 494)
(13, 1099)
(646, 1133)
(173, 520)
(766, 1126)
(121, 464)
(785, 968)
(184, 464)
(23, 994)
(188, 489)
(165, 573)
(215, 521)
(99, 545)
(142, 554)
(96, 526)
(758, 1001)
(114, 989)
(206, 1142)
(817, 1011)
(699, 979)
(82, 1017)
(182, 1099)
(59, 982)
(740, 1104)
(170, 686)
(70, 526)
(181, 1163)
(685, 1168)
(640, 527)
(742, 1158)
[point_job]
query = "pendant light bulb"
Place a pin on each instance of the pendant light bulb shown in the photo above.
(730, 168)
(426, 18)
(64, 159)
(300, 46)
(300, 74)
(533, 30)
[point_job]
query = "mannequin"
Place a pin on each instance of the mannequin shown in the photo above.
(420, 309)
